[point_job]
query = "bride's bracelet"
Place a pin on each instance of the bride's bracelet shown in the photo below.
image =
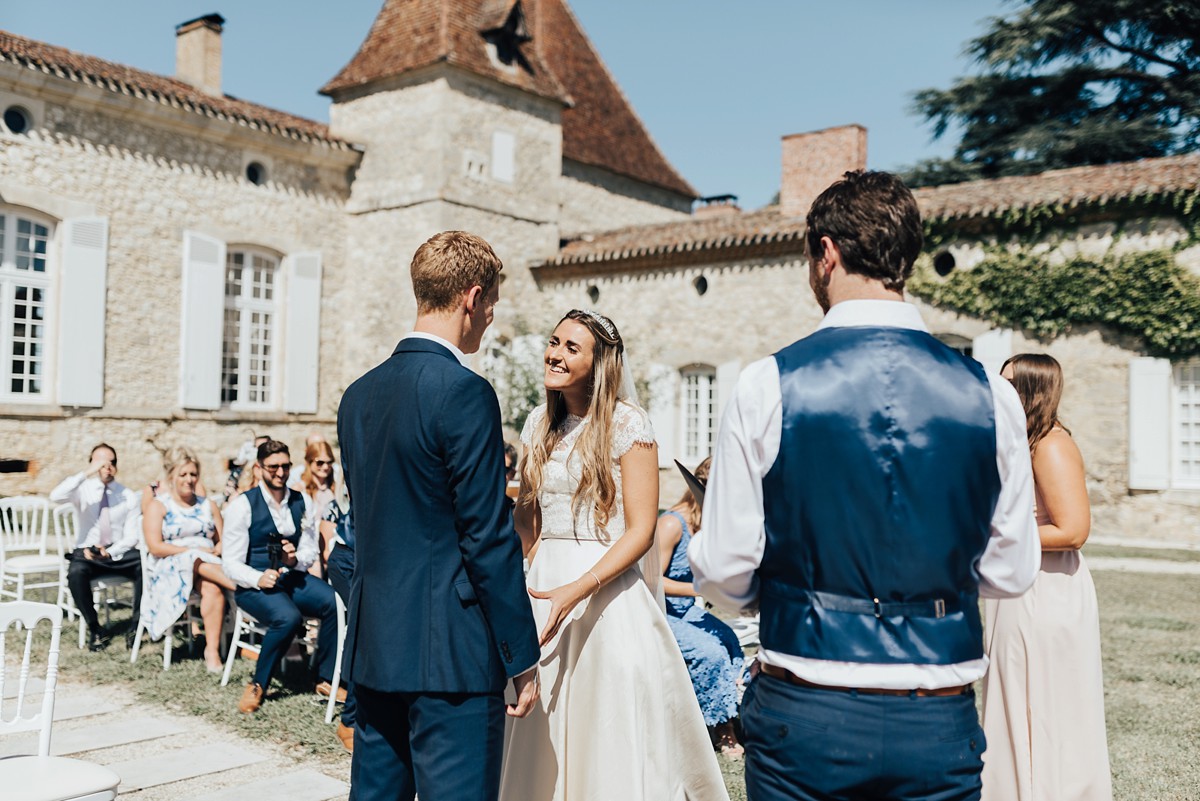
(597, 578)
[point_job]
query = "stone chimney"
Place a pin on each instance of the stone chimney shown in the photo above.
(717, 206)
(813, 161)
(198, 53)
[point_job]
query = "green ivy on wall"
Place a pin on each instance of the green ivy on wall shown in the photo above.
(1144, 294)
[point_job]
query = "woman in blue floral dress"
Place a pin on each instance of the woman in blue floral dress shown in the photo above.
(183, 540)
(710, 648)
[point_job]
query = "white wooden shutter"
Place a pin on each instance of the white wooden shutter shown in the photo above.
(504, 165)
(202, 321)
(81, 308)
(303, 340)
(664, 411)
(727, 376)
(993, 348)
(1149, 424)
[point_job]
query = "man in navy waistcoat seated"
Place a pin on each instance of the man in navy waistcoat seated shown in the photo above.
(269, 542)
(869, 484)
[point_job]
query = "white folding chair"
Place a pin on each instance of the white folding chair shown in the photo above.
(186, 621)
(29, 560)
(337, 661)
(246, 632)
(42, 777)
(104, 588)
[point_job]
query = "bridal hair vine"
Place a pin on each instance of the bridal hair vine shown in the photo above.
(603, 321)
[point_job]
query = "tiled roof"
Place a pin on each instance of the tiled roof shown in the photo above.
(68, 64)
(600, 127)
(768, 233)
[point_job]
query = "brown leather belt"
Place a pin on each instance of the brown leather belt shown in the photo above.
(792, 678)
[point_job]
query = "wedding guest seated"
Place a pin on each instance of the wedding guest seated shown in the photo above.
(317, 482)
(710, 647)
(106, 539)
(270, 542)
(183, 538)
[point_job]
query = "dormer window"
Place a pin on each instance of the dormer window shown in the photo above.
(506, 40)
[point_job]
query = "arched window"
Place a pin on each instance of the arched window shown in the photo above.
(26, 279)
(248, 347)
(699, 411)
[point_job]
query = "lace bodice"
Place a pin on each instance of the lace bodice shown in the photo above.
(561, 474)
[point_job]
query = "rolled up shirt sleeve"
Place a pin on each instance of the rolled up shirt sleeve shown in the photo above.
(235, 541)
(726, 557)
(309, 547)
(131, 527)
(1013, 555)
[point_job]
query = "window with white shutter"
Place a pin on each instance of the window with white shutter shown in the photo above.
(249, 363)
(82, 302)
(27, 277)
(303, 341)
(699, 412)
(1186, 416)
(201, 316)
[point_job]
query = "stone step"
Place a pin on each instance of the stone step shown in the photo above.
(181, 763)
(301, 785)
(106, 734)
(32, 687)
(65, 707)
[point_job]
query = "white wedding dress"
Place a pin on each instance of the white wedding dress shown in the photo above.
(618, 718)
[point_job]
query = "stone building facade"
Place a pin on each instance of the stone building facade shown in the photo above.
(179, 266)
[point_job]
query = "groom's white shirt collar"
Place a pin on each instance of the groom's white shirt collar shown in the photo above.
(458, 354)
(881, 313)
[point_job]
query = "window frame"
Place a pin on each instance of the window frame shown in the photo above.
(1178, 480)
(246, 306)
(47, 281)
(705, 435)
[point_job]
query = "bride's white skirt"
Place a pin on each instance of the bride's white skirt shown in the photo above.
(618, 718)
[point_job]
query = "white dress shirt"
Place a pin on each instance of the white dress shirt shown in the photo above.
(725, 559)
(124, 512)
(458, 354)
(235, 538)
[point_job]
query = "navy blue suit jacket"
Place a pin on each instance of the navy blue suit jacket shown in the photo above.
(438, 600)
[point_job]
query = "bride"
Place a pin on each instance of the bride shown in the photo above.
(617, 717)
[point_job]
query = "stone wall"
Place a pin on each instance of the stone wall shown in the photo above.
(594, 199)
(141, 169)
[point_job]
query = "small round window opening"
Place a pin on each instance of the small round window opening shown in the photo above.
(943, 263)
(593, 292)
(17, 120)
(701, 285)
(256, 173)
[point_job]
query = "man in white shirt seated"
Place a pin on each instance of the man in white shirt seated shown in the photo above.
(107, 537)
(269, 542)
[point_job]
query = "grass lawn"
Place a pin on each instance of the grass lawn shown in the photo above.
(1150, 626)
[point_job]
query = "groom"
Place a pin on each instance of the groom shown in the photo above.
(439, 619)
(869, 483)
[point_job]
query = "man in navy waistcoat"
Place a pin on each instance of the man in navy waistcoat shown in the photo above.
(268, 544)
(869, 484)
(439, 618)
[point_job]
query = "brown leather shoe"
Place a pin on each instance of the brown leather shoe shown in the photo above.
(323, 689)
(346, 735)
(252, 698)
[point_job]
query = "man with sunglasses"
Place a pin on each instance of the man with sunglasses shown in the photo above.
(270, 541)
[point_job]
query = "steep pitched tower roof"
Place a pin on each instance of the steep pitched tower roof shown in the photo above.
(534, 45)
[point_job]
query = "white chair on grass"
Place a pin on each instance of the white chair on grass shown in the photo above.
(29, 559)
(187, 620)
(337, 662)
(42, 777)
(104, 588)
(246, 633)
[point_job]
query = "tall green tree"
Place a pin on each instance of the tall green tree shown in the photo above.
(1070, 82)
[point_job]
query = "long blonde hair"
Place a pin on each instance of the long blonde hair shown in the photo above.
(595, 444)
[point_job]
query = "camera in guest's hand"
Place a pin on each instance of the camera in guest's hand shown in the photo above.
(275, 550)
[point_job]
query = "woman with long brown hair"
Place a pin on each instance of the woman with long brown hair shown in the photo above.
(1043, 696)
(617, 717)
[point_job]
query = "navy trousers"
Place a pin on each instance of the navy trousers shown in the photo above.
(441, 745)
(341, 570)
(282, 610)
(806, 744)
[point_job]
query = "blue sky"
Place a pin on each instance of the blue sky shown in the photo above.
(716, 82)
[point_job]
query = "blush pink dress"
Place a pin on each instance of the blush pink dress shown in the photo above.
(1043, 696)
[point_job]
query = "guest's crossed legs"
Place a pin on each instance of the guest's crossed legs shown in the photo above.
(282, 610)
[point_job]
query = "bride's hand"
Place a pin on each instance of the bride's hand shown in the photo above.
(562, 600)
